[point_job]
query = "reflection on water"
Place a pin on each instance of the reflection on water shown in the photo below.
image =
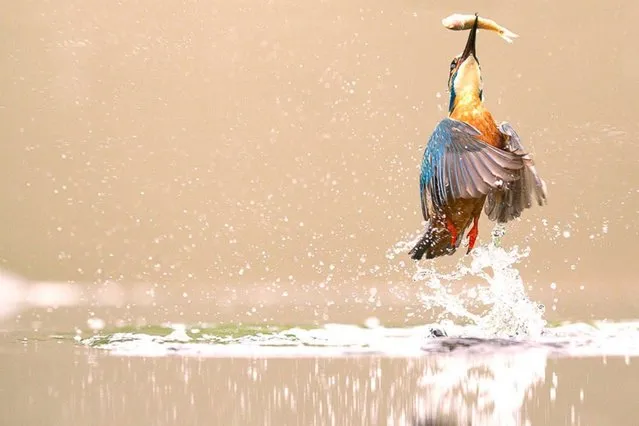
(503, 386)
(486, 389)
(472, 380)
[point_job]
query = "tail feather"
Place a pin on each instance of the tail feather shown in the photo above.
(435, 242)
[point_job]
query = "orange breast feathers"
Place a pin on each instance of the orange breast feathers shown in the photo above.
(478, 116)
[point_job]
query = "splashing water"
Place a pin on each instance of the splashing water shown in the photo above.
(506, 311)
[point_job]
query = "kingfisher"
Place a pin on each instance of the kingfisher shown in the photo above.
(470, 163)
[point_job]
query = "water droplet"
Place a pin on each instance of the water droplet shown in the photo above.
(372, 322)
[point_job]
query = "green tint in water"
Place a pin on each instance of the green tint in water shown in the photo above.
(215, 334)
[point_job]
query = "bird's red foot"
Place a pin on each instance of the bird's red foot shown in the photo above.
(472, 235)
(453, 231)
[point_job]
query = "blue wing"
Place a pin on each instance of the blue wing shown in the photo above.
(509, 202)
(457, 165)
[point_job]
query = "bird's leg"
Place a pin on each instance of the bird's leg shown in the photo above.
(453, 231)
(472, 235)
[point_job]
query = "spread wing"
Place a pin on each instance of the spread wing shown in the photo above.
(510, 201)
(458, 165)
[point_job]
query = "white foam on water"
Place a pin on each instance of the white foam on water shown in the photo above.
(580, 339)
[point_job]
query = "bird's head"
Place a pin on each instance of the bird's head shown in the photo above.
(464, 81)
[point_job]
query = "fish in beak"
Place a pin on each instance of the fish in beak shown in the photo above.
(470, 44)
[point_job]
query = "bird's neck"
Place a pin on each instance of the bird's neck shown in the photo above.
(470, 109)
(467, 99)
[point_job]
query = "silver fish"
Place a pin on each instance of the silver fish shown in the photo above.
(459, 22)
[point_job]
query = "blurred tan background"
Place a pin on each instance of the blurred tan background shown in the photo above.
(275, 145)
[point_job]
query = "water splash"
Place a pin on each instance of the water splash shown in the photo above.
(499, 309)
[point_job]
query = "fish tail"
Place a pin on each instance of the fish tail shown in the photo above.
(507, 35)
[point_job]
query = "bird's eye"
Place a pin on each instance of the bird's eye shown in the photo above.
(453, 64)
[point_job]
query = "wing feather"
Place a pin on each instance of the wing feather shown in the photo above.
(510, 201)
(457, 165)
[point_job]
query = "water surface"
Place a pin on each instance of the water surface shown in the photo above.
(249, 169)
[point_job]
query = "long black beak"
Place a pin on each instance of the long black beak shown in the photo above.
(470, 44)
